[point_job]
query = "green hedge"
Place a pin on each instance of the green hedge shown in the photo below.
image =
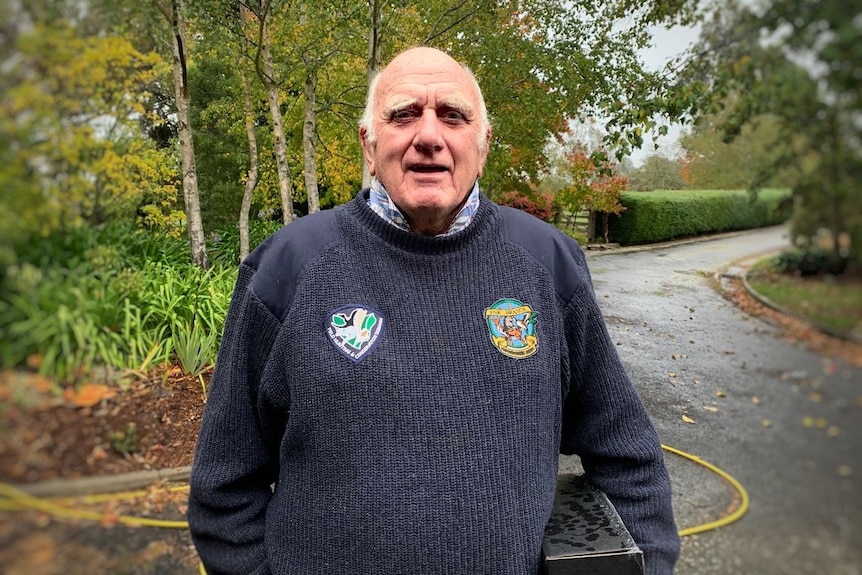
(665, 215)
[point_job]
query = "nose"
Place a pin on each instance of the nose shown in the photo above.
(428, 138)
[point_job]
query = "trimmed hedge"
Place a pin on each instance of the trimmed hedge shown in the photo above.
(665, 215)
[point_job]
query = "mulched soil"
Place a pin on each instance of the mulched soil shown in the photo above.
(151, 425)
(43, 435)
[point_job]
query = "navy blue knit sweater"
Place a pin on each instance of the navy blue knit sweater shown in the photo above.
(391, 403)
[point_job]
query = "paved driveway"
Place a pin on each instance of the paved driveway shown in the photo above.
(782, 420)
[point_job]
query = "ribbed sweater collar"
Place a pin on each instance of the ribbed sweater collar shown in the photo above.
(487, 218)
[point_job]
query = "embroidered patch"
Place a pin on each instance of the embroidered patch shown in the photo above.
(354, 330)
(512, 326)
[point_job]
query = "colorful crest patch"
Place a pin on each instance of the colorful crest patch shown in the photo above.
(354, 330)
(512, 326)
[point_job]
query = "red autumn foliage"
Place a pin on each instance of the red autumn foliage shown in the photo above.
(540, 206)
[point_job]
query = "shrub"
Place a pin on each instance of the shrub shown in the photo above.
(225, 243)
(664, 215)
(114, 306)
(810, 261)
(539, 206)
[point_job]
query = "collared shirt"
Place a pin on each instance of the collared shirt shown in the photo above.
(383, 206)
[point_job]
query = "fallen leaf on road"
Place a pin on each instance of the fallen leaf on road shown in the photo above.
(710, 408)
(815, 397)
(767, 423)
(829, 367)
(676, 356)
(671, 374)
(718, 393)
(833, 431)
(845, 471)
(687, 419)
(755, 400)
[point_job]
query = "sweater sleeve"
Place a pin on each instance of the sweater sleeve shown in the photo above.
(233, 467)
(606, 424)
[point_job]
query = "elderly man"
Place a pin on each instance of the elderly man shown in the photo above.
(399, 374)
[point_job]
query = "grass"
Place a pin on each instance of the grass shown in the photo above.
(833, 302)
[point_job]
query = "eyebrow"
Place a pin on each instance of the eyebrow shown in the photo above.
(398, 104)
(452, 102)
(458, 103)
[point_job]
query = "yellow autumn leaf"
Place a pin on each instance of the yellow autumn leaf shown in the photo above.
(687, 419)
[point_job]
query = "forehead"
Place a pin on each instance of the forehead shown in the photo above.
(426, 83)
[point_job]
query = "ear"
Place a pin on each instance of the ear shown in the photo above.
(367, 150)
(484, 155)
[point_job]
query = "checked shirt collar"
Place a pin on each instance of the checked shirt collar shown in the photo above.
(383, 206)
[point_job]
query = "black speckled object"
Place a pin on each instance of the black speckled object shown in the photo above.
(586, 536)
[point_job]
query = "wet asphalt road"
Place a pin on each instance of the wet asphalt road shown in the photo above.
(785, 422)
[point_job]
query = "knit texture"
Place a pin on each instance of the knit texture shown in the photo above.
(436, 453)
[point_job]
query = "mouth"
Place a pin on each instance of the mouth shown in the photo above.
(427, 168)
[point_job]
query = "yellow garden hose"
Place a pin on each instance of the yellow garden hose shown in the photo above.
(12, 498)
(17, 499)
(726, 520)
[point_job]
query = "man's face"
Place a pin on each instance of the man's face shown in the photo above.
(427, 125)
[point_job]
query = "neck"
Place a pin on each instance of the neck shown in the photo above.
(431, 226)
(433, 222)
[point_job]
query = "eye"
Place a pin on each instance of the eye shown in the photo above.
(452, 115)
(401, 115)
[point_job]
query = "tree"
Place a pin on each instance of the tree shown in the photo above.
(172, 11)
(372, 66)
(595, 188)
(260, 36)
(324, 33)
(657, 173)
(714, 163)
(248, 117)
(72, 138)
(798, 61)
(162, 26)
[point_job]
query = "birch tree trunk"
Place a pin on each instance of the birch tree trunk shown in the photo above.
(197, 240)
(373, 63)
(308, 129)
(280, 144)
(251, 176)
